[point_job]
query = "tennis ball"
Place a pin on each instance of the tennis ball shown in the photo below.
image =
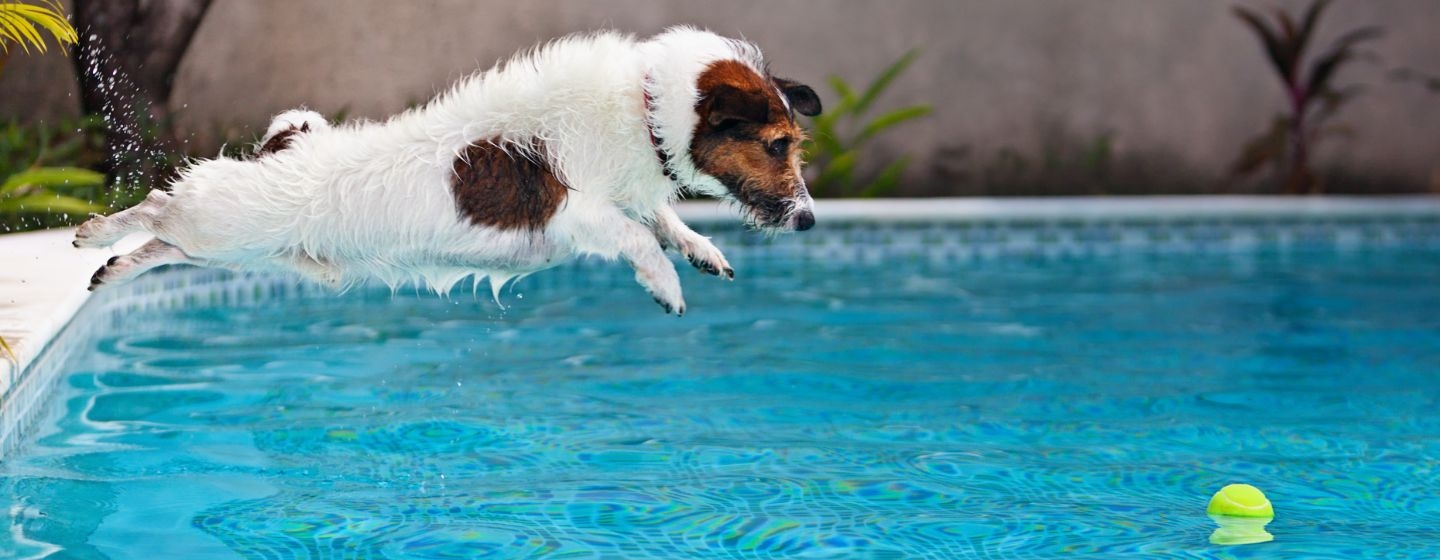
(1240, 530)
(1240, 500)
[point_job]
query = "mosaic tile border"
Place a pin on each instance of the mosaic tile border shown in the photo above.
(942, 231)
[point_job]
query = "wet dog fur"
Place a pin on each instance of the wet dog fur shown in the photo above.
(578, 147)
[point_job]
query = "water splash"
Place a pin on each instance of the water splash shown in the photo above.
(135, 155)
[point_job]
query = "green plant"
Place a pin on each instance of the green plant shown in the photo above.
(21, 24)
(43, 190)
(44, 170)
(9, 354)
(1313, 100)
(29, 187)
(842, 132)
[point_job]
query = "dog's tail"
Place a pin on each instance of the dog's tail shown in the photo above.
(285, 127)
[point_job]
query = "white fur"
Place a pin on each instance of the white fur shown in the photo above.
(296, 119)
(373, 200)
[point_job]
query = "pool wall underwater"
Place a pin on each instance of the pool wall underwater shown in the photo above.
(924, 230)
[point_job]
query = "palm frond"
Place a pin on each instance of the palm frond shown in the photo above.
(51, 178)
(17, 29)
(838, 170)
(49, 203)
(887, 180)
(9, 353)
(847, 96)
(890, 119)
(839, 134)
(882, 82)
(20, 23)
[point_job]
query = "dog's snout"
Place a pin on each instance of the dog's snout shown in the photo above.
(804, 220)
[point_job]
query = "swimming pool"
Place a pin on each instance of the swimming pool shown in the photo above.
(863, 393)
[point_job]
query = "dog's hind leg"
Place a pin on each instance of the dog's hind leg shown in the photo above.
(316, 270)
(104, 231)
(148, 256)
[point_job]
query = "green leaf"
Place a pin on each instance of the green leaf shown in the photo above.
(9, 353)
(847, 97)
(49, 18)
(829, 146)
(49, 204)
(884, 183)
(67, 150)
(16, 29)
(52, 178)
(883, 81)
(891, 119)
(28, 27)
(837, 171)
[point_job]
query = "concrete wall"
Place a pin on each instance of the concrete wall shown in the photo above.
(1177, 86)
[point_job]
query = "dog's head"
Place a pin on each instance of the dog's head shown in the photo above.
(748, 140)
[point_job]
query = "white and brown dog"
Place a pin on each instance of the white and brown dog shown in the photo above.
(578, 147)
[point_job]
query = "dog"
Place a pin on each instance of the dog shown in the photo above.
(578, 147)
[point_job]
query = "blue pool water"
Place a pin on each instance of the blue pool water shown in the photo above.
(1017, 408)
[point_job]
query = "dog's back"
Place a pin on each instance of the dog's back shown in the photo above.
(375, 199)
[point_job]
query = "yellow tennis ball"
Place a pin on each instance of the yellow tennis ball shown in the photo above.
(1240, 500)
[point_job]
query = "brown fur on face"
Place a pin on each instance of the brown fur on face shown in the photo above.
(497, 189)
(748, 139)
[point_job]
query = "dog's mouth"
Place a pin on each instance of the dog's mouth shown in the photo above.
(779, 215)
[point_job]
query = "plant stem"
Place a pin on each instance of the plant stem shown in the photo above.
(1297, 180)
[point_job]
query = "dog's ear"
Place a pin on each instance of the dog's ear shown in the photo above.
(727, 105)
(801, 97)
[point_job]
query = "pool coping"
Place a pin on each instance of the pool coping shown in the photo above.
(39, 297)
(1156, 208)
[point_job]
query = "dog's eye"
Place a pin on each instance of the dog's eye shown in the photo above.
(778, 148)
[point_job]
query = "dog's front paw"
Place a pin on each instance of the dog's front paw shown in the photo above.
(670, 302)
(705, 256)
(667, 295)
(669, 307)
(91, 234)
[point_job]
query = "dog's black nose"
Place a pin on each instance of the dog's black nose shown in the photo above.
(804, 220)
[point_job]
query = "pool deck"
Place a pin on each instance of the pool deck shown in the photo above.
(43, 282)
(43, 279)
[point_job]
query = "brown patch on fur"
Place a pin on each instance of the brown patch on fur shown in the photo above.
(735, 74)
(281, 140)
(741, 117)
(493, 188)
